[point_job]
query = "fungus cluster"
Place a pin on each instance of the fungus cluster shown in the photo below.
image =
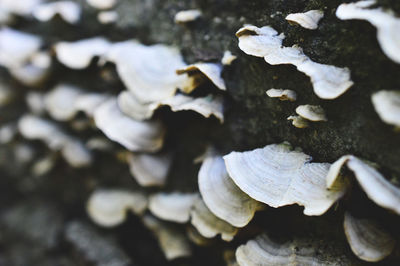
(329, 82)
(267, 251)
(232, 188)
(308, 20)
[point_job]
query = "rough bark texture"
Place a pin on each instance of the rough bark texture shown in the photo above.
(35, 211)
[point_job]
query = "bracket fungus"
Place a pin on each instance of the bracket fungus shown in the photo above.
(64, 101)
(173, 207)
(22, 8)
(150, 169)
(132, 134)
(41, 59)
(387, 105)
(279, 176)
(69, 11)
(34, 127)
(43, 165)
(199, 71)
(367, 239)
(228, 58)
(173, 242)
(377, 188)
(313, 113)
(17, 47)
(148, 72)
(186, 16)
(76, 153)
(34, 70)
(263, 250)
(88, 102)
(35, 102)
(29, 74)
(107, 17)
(222, 197)
(73, 151)
(99, 144)
(283, 95)
(102, 4)
(132, 107)
(79, 54)
(387, 25)
(7, 132)
(298, 121)
(329, 82)
(60, 101)
(206, 106)
(209, 225)
(109, 207)
(196, 238)
(308, 20)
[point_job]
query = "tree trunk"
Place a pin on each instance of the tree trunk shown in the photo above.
(36, 210)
